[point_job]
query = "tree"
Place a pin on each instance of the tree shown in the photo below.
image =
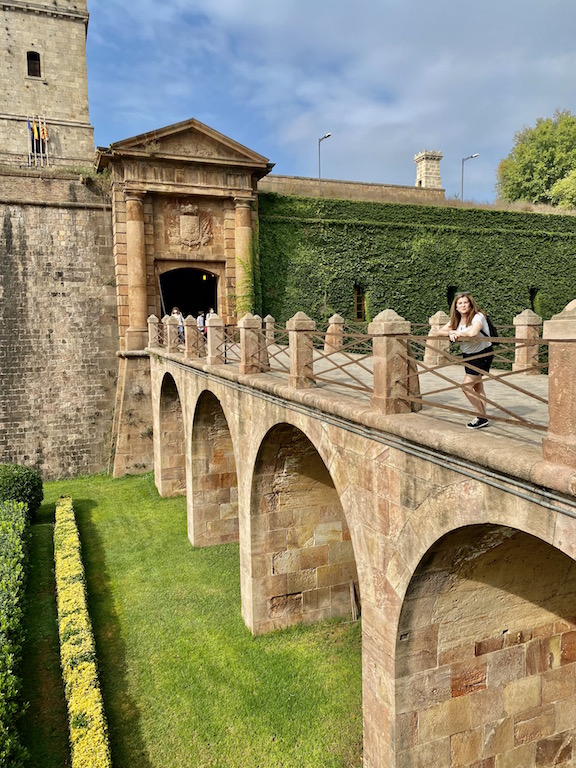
(541, 156)
(563, 192)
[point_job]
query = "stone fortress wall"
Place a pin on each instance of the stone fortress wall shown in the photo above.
(58, 324)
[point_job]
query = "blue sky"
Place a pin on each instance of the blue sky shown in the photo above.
(387, 78)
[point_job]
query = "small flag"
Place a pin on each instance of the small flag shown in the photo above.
(29, 126)
(34, 128)
(43, 131)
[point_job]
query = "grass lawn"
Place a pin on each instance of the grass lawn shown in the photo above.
(184, 682)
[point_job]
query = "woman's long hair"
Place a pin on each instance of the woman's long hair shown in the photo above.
(455, 316)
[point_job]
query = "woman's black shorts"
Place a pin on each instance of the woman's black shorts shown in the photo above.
(483, 362)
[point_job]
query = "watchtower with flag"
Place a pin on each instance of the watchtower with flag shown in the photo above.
(44, 117)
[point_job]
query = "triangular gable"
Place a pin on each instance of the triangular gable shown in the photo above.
(190, 139)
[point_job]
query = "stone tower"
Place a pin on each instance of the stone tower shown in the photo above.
(428, 169)
(44, 84)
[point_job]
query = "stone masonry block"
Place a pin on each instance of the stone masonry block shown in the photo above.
(468, 677)
(445, 719)
(534, 725)
(498, 737)
(287, 561)
(523, 694)
(466, 748)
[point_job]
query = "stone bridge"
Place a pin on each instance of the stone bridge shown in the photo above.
(458, 547)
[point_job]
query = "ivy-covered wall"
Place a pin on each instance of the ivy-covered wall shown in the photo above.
(410, 258)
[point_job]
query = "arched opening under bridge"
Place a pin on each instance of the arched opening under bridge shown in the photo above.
(302, 560)
(170, 461)
(486, 654)
(213, 497)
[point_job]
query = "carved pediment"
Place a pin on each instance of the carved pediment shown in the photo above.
(189, 140)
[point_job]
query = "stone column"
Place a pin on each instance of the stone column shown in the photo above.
(433, 353)
(300, 342)
(214, 340)
(528, 326)
(333, 341)
(136, 266)
(194, 341)
(244, 255)
(153, 331)
(250, 339)
(559, 446)
(391, 368)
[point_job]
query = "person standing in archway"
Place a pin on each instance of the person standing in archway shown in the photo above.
(466, 326)
(200, 322)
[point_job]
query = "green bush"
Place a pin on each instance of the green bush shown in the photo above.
(13, 552)
(24, 484)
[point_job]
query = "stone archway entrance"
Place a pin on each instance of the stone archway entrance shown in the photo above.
(189, 289)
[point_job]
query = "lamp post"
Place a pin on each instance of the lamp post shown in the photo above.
(320, 140)
(470, 157)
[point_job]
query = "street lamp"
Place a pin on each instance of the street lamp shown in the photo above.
(470, 157)
(320, 140)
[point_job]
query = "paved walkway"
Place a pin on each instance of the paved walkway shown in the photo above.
(511, 397)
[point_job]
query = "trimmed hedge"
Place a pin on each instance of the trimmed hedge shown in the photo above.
(87, 721)
(21, 484)
(13, 556)
(410, 258)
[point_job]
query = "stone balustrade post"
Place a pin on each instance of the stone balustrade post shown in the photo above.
(269, 323)
(437, 344)
(528, 326)
(559, 445)
(334, 339)
(392, 364)
(153, 323)
(301, 346)
(250, 343)
(194, 341)
(214, 340)
(171, 331)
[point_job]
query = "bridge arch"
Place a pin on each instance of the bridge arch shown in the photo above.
(213, 480)
(485, 658)
(301, 557)
(170, 448)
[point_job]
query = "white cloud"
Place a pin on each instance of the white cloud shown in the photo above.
(387, 77)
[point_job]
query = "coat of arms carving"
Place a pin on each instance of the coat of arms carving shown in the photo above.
(195, 227)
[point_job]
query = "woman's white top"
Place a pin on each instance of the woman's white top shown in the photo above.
(471, 346)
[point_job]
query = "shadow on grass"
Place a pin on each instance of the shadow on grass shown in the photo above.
(123, 715)
(44, 727)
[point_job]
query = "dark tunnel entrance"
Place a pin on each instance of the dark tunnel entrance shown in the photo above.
(188, 289)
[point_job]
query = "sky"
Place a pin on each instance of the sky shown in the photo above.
(387, 79)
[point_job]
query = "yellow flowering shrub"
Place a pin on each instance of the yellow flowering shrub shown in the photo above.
(87, 721)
